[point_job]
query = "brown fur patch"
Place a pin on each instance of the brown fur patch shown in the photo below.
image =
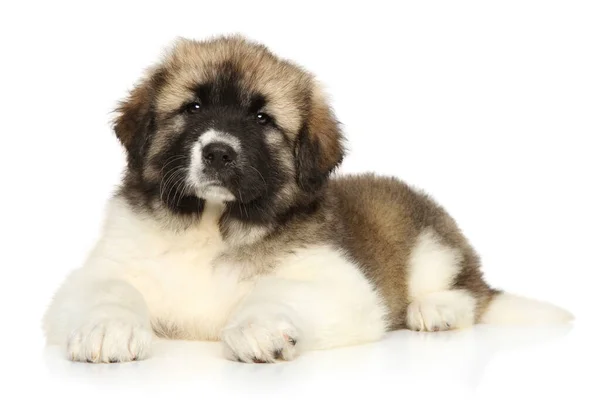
(133, 111)
(193, 62)
(323, 128)
(383, 219)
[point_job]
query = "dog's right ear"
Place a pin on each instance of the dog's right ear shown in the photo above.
(135, 116)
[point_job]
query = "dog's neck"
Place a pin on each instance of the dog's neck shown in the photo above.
(240, 224)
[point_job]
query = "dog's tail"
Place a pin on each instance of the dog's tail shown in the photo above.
(510, 309)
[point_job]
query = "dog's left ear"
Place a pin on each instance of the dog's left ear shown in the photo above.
(319, 147)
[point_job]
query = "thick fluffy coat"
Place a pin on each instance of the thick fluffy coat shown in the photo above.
(227, 227)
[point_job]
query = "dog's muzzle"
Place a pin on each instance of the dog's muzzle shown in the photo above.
(218, 156)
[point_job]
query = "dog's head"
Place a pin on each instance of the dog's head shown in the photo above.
(226, 120)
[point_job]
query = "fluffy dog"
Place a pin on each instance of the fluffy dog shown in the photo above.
(227, 227)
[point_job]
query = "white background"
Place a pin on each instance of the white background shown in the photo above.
(492, 107)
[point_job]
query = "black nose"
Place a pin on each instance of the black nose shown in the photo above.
(218, 155)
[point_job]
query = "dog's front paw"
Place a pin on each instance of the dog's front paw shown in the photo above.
(261, 339)
(110, 334)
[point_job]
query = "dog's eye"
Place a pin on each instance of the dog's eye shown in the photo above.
(193, 107)
(263, 118)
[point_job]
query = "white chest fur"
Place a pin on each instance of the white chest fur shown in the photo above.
(186, 295)
(142, 274)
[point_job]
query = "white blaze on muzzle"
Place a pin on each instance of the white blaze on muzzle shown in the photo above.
(213, 149)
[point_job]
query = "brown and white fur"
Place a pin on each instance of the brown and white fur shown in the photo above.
(227, 227)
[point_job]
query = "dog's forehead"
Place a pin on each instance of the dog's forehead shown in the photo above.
(250, 67)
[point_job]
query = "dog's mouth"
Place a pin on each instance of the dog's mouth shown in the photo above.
(215, 191)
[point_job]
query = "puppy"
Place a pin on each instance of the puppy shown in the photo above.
(227, 227)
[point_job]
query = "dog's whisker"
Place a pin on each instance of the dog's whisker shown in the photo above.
(173, 185)
(243, 204)
(172, 175)
(166, 179)
(179, 192)
(170, 160)
(186, 187)
(261, 176)
(240, 202)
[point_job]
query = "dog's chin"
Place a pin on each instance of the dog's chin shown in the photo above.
(215, 193)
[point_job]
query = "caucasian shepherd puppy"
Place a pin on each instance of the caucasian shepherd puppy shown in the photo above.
(227, 227)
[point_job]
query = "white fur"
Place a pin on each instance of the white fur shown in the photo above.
(432, 265)
(112, 333)
(241, 234)
(510, 309)
(264, 332)
(206, 188)
(141, 274)
(217, 194)
(432, 268)
(159, 275)
(450, 309)
(214, 136)
(318, 293)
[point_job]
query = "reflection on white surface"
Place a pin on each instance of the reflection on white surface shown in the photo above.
(445, 363)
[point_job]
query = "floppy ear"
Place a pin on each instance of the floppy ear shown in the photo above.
(135, 117)
(319, 147)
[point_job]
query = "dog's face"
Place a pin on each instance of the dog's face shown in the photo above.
(225, 120)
